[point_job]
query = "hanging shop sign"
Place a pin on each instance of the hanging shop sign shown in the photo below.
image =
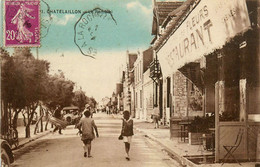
(209, 26)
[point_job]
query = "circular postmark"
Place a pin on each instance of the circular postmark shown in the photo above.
(92, 30)
(46, 18)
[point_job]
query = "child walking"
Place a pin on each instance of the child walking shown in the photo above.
(86, 126)
(127, 132)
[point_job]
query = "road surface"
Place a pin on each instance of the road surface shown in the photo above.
(55, 150)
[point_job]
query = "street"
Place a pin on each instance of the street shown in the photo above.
(66, 149)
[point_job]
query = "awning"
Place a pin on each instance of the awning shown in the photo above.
(193, 72)
(208, 26)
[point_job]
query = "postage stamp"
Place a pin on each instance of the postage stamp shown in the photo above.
(92, 29)
(22, 23)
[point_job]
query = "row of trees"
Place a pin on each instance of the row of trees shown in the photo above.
(26, 84)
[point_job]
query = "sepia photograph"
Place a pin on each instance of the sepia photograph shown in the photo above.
(130, 83)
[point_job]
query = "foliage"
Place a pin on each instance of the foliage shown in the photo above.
(229, 116)
(79, 99)
(196, 100)
(92, 102)
(202, 124)
(32, 73)
(26, 83)
(60, 92)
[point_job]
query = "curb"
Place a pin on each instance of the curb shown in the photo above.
(28, 140)
(180, 159)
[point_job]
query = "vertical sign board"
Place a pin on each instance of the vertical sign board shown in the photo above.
(209, 26)
(219, 109)
(217, 121)
(242, 87)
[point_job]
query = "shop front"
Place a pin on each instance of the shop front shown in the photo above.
(215, 46)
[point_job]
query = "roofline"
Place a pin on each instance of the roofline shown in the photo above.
(159, 43)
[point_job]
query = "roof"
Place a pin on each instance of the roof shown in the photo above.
(161, 11)
(147, 58)
(174, 19)
(131, 60)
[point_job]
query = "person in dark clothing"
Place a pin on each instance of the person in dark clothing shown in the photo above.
(57, 114)
(127, 132)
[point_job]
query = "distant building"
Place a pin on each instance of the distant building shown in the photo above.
(138, 83)
(119, 94)
(128, 83)
(148, 85)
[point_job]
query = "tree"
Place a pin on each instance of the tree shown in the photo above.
(25, 83)
(60, 91)
(7, 81)
(33, 73)
(92, 102)
(79, 99)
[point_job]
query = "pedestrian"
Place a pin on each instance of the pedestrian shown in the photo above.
(91, 112)
(156, 121)
(108, 110)
(156, 118)
(127, 131)
(86, 126)
(57, 114)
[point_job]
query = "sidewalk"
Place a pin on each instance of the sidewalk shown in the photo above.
(180, 150)
(21, 134)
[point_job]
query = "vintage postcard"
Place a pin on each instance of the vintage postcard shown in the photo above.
(143, 83)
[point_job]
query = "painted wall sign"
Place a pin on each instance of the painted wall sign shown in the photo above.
(207, 27)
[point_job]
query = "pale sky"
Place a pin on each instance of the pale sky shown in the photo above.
(97, 77)
(131, 31)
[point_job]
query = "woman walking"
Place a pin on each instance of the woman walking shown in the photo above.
(127, 132)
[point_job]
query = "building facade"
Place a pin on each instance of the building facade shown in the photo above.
(147, 85)
(163, 84)
(128, 84)
(138, 84)
(212, 47)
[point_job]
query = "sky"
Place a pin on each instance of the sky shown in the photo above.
(127, 27)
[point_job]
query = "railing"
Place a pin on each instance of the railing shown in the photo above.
(155, 69)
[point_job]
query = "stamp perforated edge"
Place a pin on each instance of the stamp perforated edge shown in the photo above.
(39, 22)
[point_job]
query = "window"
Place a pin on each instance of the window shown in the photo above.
(141, 104)
(136, 100)
(137, 75)
(168, 91)
(140, 71)
(173, 84)
(155, 97)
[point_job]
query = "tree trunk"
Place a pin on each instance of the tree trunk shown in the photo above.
(27, 131)
(46, 125)
(10, 114)
(24, 120)
(37, 124)
(42, 114)
(27, 127)
(30, 112)
(15, 118)
(4, 121)
(47, 121)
